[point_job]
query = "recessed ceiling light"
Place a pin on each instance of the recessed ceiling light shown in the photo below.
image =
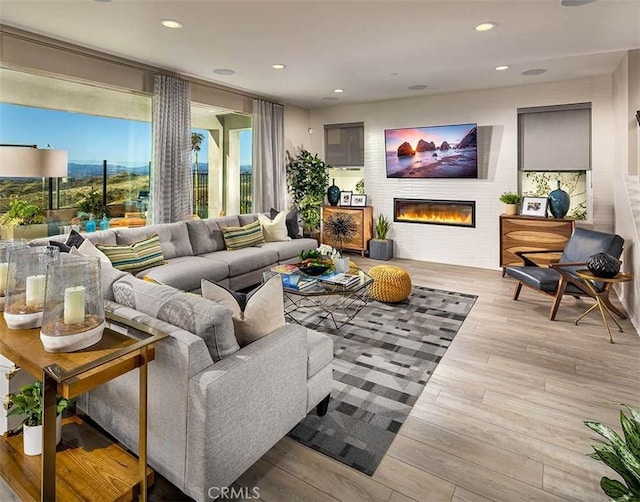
(329, 98)
(224, 71)
(338, 91)
(534, 71)
(485, 26)
(417, 87)
(575, 3)
(278, 66)
(502, 67)
(171, 23)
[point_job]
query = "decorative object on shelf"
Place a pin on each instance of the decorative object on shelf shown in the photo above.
(91, 225)
(381, 248)
(358, 200)
(559, 202)
(534, 206)
(345, 199)
(603, 265)
(360, 186)
(28, 402)
(333, 193)
(104, 223)
(5, 249)
(620, 453)
(511, 201)
(307, 179)
(73, 316)
(339, 228)
(24, 297)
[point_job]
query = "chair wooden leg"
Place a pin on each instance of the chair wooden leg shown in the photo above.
(516, 292)
(557, 299)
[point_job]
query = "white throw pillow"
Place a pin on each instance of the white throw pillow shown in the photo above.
(255, 314)
(274, 230)
(88, 248)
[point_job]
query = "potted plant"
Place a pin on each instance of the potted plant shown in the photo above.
(23, 220)
(381, 248)
(340, 228)
(511, 201)
(307, 179)
(92, 204)
(622, 455)
(28, 402)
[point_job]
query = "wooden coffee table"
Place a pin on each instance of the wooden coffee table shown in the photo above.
(97, 472)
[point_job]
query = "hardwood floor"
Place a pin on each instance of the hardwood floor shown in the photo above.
(501, 417)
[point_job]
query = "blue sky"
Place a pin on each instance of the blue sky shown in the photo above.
(89, 138)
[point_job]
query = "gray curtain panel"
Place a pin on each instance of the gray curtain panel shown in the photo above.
(269, 176)
(171, 178)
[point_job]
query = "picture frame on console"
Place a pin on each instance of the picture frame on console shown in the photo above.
(534, 206)
(345, 198)
(358, 200)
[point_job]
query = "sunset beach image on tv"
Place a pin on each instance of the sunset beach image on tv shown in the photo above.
(449, 151)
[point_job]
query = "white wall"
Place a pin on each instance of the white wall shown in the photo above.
(495, 112)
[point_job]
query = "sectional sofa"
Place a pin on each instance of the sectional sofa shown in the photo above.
(214, 408)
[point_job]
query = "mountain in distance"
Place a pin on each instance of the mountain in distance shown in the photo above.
(91, 170)
(246, 169)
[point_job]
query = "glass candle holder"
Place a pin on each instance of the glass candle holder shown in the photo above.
(5, 248)
(26, 277)
(73, 316)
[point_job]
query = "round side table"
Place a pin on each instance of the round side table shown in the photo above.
(589, 279)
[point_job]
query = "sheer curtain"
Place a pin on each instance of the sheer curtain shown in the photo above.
(269, 176)
(171, 178)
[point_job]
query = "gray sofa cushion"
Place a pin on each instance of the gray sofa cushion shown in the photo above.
(202, 317)
(227, 221)
(205, 236)
(186, 272)
(174, 238)
(245, 219)
(241, 261)
(287, 250)
(106, 237)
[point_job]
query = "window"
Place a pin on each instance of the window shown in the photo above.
(554, 145)
(344, 144)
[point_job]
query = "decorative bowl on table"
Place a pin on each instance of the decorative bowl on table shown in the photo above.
(314, 269)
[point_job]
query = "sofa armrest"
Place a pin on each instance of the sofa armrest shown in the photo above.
(243, 405)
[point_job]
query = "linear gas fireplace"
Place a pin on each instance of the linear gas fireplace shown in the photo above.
(458, 213)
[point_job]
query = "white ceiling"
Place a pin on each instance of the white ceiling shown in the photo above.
(374, 50)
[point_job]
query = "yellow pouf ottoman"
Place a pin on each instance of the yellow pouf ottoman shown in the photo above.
(390, 284)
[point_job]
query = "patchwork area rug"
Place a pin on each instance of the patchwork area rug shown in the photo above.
(382, 360)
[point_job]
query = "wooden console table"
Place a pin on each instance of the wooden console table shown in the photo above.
(87, 474)
(364, 220)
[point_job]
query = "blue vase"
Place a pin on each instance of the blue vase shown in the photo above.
(559, 202)
(91, 225)
(333, 194)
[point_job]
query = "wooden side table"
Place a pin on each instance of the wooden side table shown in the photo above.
(589, 279)
(126, 345)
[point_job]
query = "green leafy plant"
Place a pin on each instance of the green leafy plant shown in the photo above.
(382, 227)
(340, 228)
(622, 455)
(510, 198)
(92, 203)
(307, 179)
(22, 212)
(28, 402)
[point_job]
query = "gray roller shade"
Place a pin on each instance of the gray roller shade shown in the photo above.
(556, 138)
(344, 144)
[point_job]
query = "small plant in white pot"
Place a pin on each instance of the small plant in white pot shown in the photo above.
(511, 201)
(28, 403)
(381, 248)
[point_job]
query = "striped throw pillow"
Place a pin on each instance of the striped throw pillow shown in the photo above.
(243, 237)
(135, 257)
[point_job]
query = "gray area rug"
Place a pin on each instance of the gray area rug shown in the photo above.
(383, 358)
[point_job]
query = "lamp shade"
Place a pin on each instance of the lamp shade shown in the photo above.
(29, 162)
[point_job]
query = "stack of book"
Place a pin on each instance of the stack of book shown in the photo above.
(341, 279)
(295, 281)
(285, 268)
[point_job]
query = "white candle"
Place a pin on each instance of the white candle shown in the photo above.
(4, 268)
(35, 290)
(74, 305)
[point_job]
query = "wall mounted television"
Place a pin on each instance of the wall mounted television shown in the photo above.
(447, 151)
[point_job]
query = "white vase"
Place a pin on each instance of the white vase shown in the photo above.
(341, 264)
(32, 437)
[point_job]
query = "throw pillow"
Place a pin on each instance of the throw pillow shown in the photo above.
(293, 228)
(137, 256)
(274, 230)
(255, 314)
(206, 319)
(88, 248)
(61, 246)
(74, 239)
(242, 237)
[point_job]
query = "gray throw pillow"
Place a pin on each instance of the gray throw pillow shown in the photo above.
(206, 319)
